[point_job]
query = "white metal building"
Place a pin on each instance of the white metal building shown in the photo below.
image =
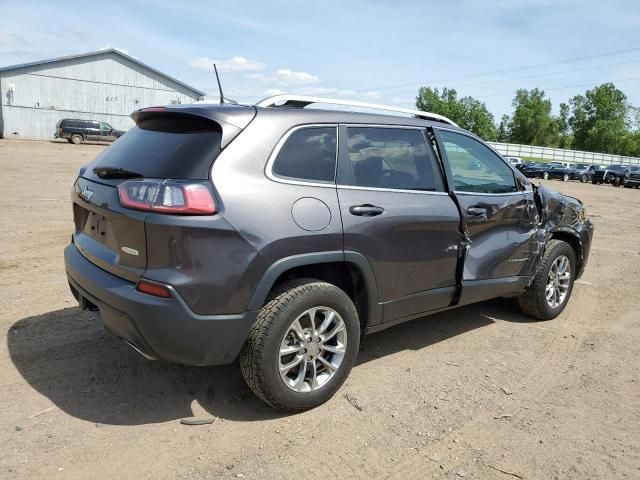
(106, 85)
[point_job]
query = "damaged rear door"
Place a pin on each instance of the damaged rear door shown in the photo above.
(500, 217)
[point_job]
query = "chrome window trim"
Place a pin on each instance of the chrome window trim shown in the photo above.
(517, 192)
(375, 125)
(301, 181)
(398, 190)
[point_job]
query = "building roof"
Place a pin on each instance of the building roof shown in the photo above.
(100, 52)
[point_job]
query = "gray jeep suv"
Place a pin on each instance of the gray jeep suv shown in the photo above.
(281, 235)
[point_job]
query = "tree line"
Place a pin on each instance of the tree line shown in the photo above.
(602, 120)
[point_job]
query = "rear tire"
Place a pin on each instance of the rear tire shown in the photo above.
(276, 330)
(545, 175)
(534, 301)
(594, 182)
(583, 179)
(76, 139)
(565, 177)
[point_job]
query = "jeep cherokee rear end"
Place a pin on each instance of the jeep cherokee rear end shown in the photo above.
(151, 240)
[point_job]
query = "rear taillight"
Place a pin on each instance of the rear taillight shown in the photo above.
(167, 196)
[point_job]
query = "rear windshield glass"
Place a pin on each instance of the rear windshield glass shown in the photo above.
(175, 146)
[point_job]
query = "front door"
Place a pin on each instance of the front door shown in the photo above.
(106, 132)
(500, 216)
(395, 212)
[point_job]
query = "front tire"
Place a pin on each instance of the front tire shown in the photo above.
(565, 177)
(583, 179)
(551, 288)
(545, 175)
(302, 346)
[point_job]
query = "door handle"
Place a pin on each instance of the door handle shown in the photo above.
(366, 210)
(476, 211)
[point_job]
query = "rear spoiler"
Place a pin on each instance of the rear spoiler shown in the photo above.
(232, 119)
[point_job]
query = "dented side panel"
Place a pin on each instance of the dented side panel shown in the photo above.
(502, 231)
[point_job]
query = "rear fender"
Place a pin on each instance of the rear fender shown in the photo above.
(281, 266)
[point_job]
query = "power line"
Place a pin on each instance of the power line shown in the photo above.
(567, 87)
(537, 75)
(511, 70)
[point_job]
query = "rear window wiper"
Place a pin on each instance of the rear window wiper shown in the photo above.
(115, 172)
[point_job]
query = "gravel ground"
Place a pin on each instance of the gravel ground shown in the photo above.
(478, 392)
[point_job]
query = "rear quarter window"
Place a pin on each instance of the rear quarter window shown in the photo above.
(308, 153)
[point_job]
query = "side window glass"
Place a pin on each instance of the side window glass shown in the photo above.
(389, 158)
(104, 126)
(475, 167)
(308, 154)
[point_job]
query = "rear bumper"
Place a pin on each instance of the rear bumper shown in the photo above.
(160, 328)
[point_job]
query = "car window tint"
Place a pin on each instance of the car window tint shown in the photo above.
(389, 158)
(308, 154)
(475, 167)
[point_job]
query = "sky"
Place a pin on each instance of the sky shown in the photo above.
(368, 50)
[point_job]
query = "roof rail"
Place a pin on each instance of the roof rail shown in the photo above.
(302, 101)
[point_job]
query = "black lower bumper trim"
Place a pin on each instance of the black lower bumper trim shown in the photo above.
(158, 327)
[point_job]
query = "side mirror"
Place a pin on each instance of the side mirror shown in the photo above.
(523, 183)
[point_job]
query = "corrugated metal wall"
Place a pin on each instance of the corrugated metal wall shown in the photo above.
(105, 87)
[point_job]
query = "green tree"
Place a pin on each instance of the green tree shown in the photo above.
(565, 139)
(532, 122)
(468, 112)
(504, 129)
(601, 120)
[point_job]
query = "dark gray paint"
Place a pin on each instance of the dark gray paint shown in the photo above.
(421, 254)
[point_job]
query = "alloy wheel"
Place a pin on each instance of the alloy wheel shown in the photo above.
(558, 281)
(312, 349)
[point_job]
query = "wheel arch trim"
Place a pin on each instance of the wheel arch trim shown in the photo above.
(562, 233)
(358, 260)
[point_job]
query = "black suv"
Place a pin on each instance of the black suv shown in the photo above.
(633, 178)
(77, 131)
(282, 234)
(613, 174)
